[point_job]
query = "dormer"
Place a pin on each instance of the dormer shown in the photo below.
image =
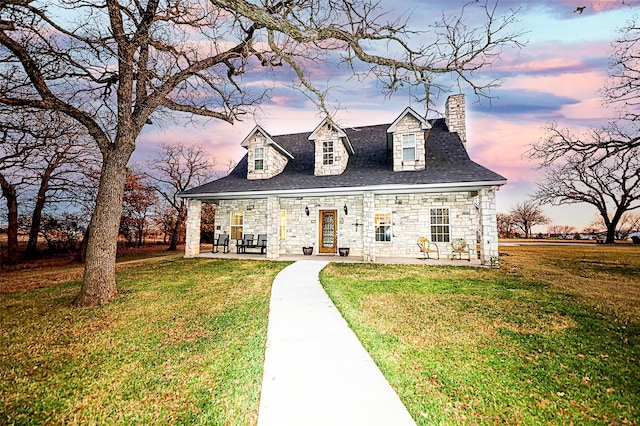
(405, 139)
(266, 158)
(332, 149)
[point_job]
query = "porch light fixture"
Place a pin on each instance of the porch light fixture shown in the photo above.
(346, 210)
(306, 210)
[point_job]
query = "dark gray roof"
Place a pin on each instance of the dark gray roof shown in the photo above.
(447, 162)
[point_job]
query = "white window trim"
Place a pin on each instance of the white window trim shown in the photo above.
(232, 224)
(257, 158)
(390, 225)
(431, 224)
(409, 144)
(327, 153)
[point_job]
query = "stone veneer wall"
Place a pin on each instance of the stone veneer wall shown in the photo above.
(408, 124)
(455, 116)
(410, 219)
(340, 154)
(274, 161)
(488, 227)
(192, 243)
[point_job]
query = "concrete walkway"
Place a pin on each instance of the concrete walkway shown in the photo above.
(316, 371)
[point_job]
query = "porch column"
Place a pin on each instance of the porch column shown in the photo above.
(194, 210)
(488, 227)
(368, 227)
(273, 227)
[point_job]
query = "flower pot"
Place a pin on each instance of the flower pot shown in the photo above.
(307, 251)
(344, 251)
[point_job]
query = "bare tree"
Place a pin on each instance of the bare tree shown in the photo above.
(562, 231)
(601, 167)
(117, 65)
(623, 87)
(15, 149)
(174, 170)
(139, 197)
(526, 215)
(608, 180)
(41, 154)
(505, 225)
(628, 224)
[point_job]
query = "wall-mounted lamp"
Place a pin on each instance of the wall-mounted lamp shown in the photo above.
(346, 210)
(306, 210)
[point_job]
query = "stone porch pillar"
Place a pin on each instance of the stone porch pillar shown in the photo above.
(368, 227)
(273, 227)
(488, 227)
(194, 211)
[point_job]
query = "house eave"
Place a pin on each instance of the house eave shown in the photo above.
(356, 190)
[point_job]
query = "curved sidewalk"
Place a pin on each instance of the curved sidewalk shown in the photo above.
(316, 371)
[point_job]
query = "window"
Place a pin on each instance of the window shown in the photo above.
(283, 225)
(409, 147)
(258, 157)
(383, 226)
(440, 229)
(327, 153)
(237, 221)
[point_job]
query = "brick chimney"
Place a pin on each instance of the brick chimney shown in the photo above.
(455, 117)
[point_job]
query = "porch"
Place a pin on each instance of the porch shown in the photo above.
(206, 253)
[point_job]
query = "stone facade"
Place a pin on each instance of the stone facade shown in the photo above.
(455, 116)
(328, 133)
(408, 125)
(274, 162)
(194, 214)
(410, 219)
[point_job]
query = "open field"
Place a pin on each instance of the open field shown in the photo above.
(551, 338)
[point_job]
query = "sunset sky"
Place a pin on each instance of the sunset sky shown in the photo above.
(554, 77)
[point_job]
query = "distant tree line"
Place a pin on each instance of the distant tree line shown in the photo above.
(49, 175)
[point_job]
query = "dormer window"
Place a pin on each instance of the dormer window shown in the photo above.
(409, 147)
(327, 153)
(258, 157)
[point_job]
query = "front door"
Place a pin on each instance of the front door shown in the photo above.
(328, 231)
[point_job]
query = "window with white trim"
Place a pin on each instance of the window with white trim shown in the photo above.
(383, 225)
(283, 225)
(440, 226)
(237, 225)
(409, 147)
(327, 153)
(258, 158)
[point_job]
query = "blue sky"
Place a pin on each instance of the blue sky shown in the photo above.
(554, 77)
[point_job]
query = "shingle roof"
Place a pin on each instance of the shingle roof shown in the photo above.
(447, 162)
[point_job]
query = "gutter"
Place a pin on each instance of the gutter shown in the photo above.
(355, 190)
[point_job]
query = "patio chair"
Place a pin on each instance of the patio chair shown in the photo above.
(427, 247)
(458, 248)
(262, 243)
(247, 241)
(222, 241)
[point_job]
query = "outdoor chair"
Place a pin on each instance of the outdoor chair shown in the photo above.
(222, 241)
(262, 243)
(459, 248)
(247, 241)
(427, 247)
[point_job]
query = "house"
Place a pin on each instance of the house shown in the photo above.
(374, 189)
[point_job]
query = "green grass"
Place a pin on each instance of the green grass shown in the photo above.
(183, 343)
(480, 346)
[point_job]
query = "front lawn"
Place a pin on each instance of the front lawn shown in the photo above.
(551, 338)
(183, 343)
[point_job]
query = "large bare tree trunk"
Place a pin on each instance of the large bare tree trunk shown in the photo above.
(9, 193)
(36, 217)
(99, 281)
